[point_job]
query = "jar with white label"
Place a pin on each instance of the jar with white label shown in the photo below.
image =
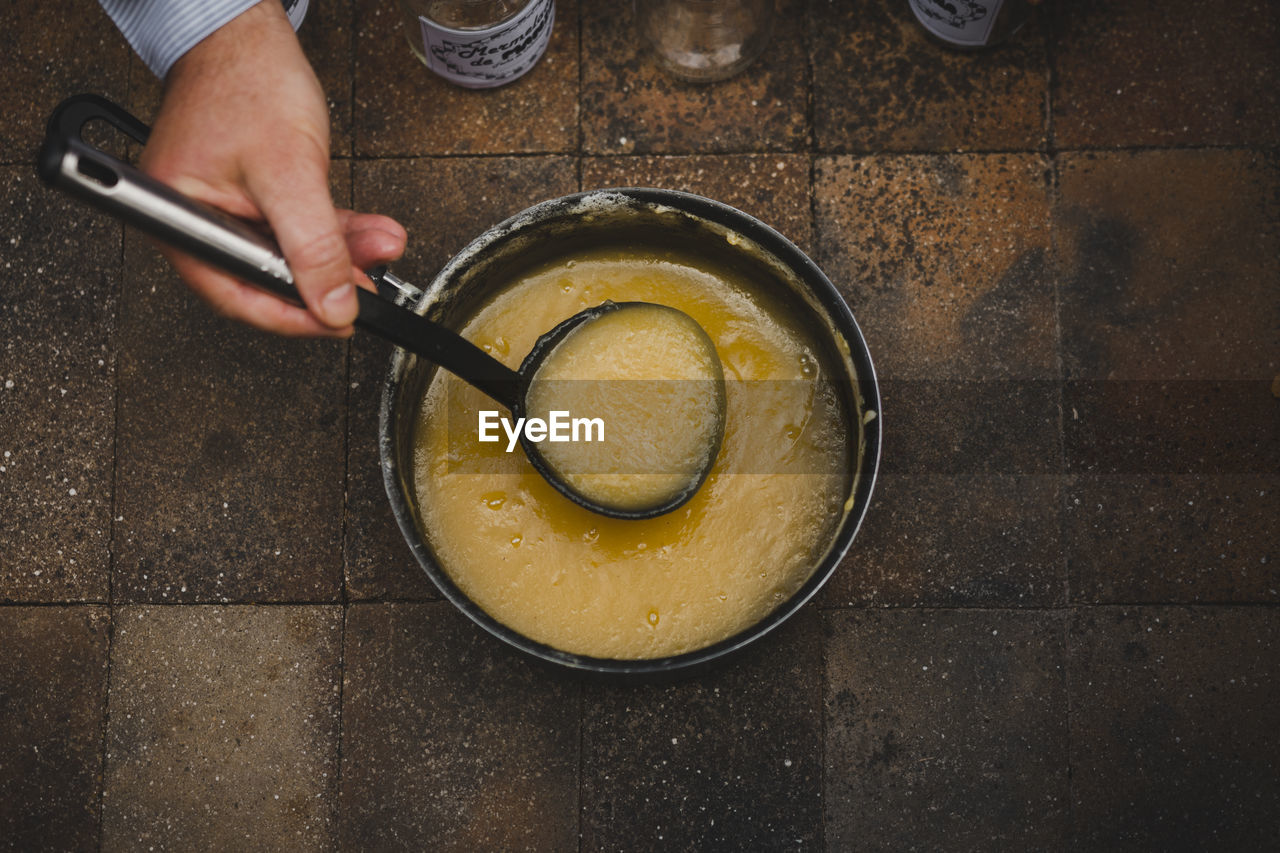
(972, 24)
(479, 44)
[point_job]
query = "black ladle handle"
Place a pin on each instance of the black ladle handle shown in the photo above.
(69, 163)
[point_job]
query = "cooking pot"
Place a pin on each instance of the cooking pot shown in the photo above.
(636, 218)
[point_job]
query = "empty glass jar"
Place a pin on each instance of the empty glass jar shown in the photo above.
(705, 40)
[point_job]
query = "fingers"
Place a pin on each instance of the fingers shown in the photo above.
(238, 301)
(371, 239)
(294, 198)
(352, 221)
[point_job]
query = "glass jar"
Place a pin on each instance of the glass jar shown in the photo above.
(479, 44)
(704, 40)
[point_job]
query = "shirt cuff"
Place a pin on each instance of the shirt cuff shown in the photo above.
(161, 31)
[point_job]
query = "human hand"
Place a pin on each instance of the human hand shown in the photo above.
(244, 127)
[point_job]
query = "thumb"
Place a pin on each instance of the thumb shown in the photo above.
(295, 200)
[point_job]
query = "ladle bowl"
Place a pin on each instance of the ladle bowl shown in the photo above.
(709, 391)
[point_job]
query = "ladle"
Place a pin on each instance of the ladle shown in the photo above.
(69, 163)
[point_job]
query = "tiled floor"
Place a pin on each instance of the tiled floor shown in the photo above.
(1058, 629)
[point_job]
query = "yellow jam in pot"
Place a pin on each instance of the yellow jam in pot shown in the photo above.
(578, 581)
(651, 378)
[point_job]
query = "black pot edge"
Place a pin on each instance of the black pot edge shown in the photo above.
(689, 664)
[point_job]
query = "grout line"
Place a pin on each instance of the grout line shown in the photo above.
(338, 811)
(822, 730)
(579, 151)
(394, 599)
(824, 608)
(810, 82)
(355, 25)
(1051, 72)
(929, 608)
(814, 150)
(810, 120)
(345, 443)
(1040, 608)
(1257, 148)
(1082, 149)
(1055, 269)
(1067, 620)
(582, 760)
(113, 509)
(239, 603)
(344, 527)
(351, 89)
(106, 721)
(580, 168)
(580, 141)
(1065, 477)
(83, 602)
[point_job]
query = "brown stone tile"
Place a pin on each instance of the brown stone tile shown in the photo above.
(223, 728)
(402, 108)
(1173, 538)
(1168, 269)
(630, 106)
(451, 742)
(1203, 427)
(1181, 73)
(944, 260)
(230, 450)
(61, 274)
(1172, 728)
(443, 204)
(64, 48)
(1168, 264)
(881, 84)
(989, 427)
(53, 698)
(945, 263)
(945, 730)
(955, 540)
(965, 511)
(729, 761)
(772, 187)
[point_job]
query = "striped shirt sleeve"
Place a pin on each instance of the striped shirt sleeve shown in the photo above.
(161, 31)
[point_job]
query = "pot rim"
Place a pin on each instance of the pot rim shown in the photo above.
(840, 318)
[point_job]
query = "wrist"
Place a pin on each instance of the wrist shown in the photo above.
(260, 30)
